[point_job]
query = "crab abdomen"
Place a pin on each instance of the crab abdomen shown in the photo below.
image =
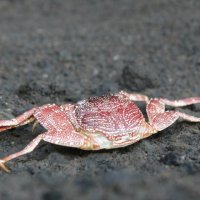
(112, 115)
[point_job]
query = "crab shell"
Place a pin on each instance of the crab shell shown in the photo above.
(111, 121)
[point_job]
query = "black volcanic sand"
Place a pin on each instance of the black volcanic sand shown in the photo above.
(58, 51)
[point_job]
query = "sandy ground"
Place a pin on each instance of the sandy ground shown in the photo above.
(64, 51)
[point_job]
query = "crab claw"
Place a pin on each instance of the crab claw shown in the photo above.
(3, 166)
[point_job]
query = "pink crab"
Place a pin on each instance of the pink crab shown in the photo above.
(104, 122)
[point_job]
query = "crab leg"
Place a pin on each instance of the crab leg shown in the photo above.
(174, 103)
(60, 132)
(23, 119)
(62, 137)
(181, 102)
(160, 119)
(135, 96)
(30, 147)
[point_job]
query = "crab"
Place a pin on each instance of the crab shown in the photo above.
(104, 122)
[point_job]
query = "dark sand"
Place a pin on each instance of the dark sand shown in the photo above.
(64, 51)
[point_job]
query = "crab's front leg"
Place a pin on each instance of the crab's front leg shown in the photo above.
(60, 132)
(135, 96)
(160, 119)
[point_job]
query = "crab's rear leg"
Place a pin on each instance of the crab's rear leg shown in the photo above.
(64, 138)
(23, 119)
(60, 132)
(160, 119)
(30, 147)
